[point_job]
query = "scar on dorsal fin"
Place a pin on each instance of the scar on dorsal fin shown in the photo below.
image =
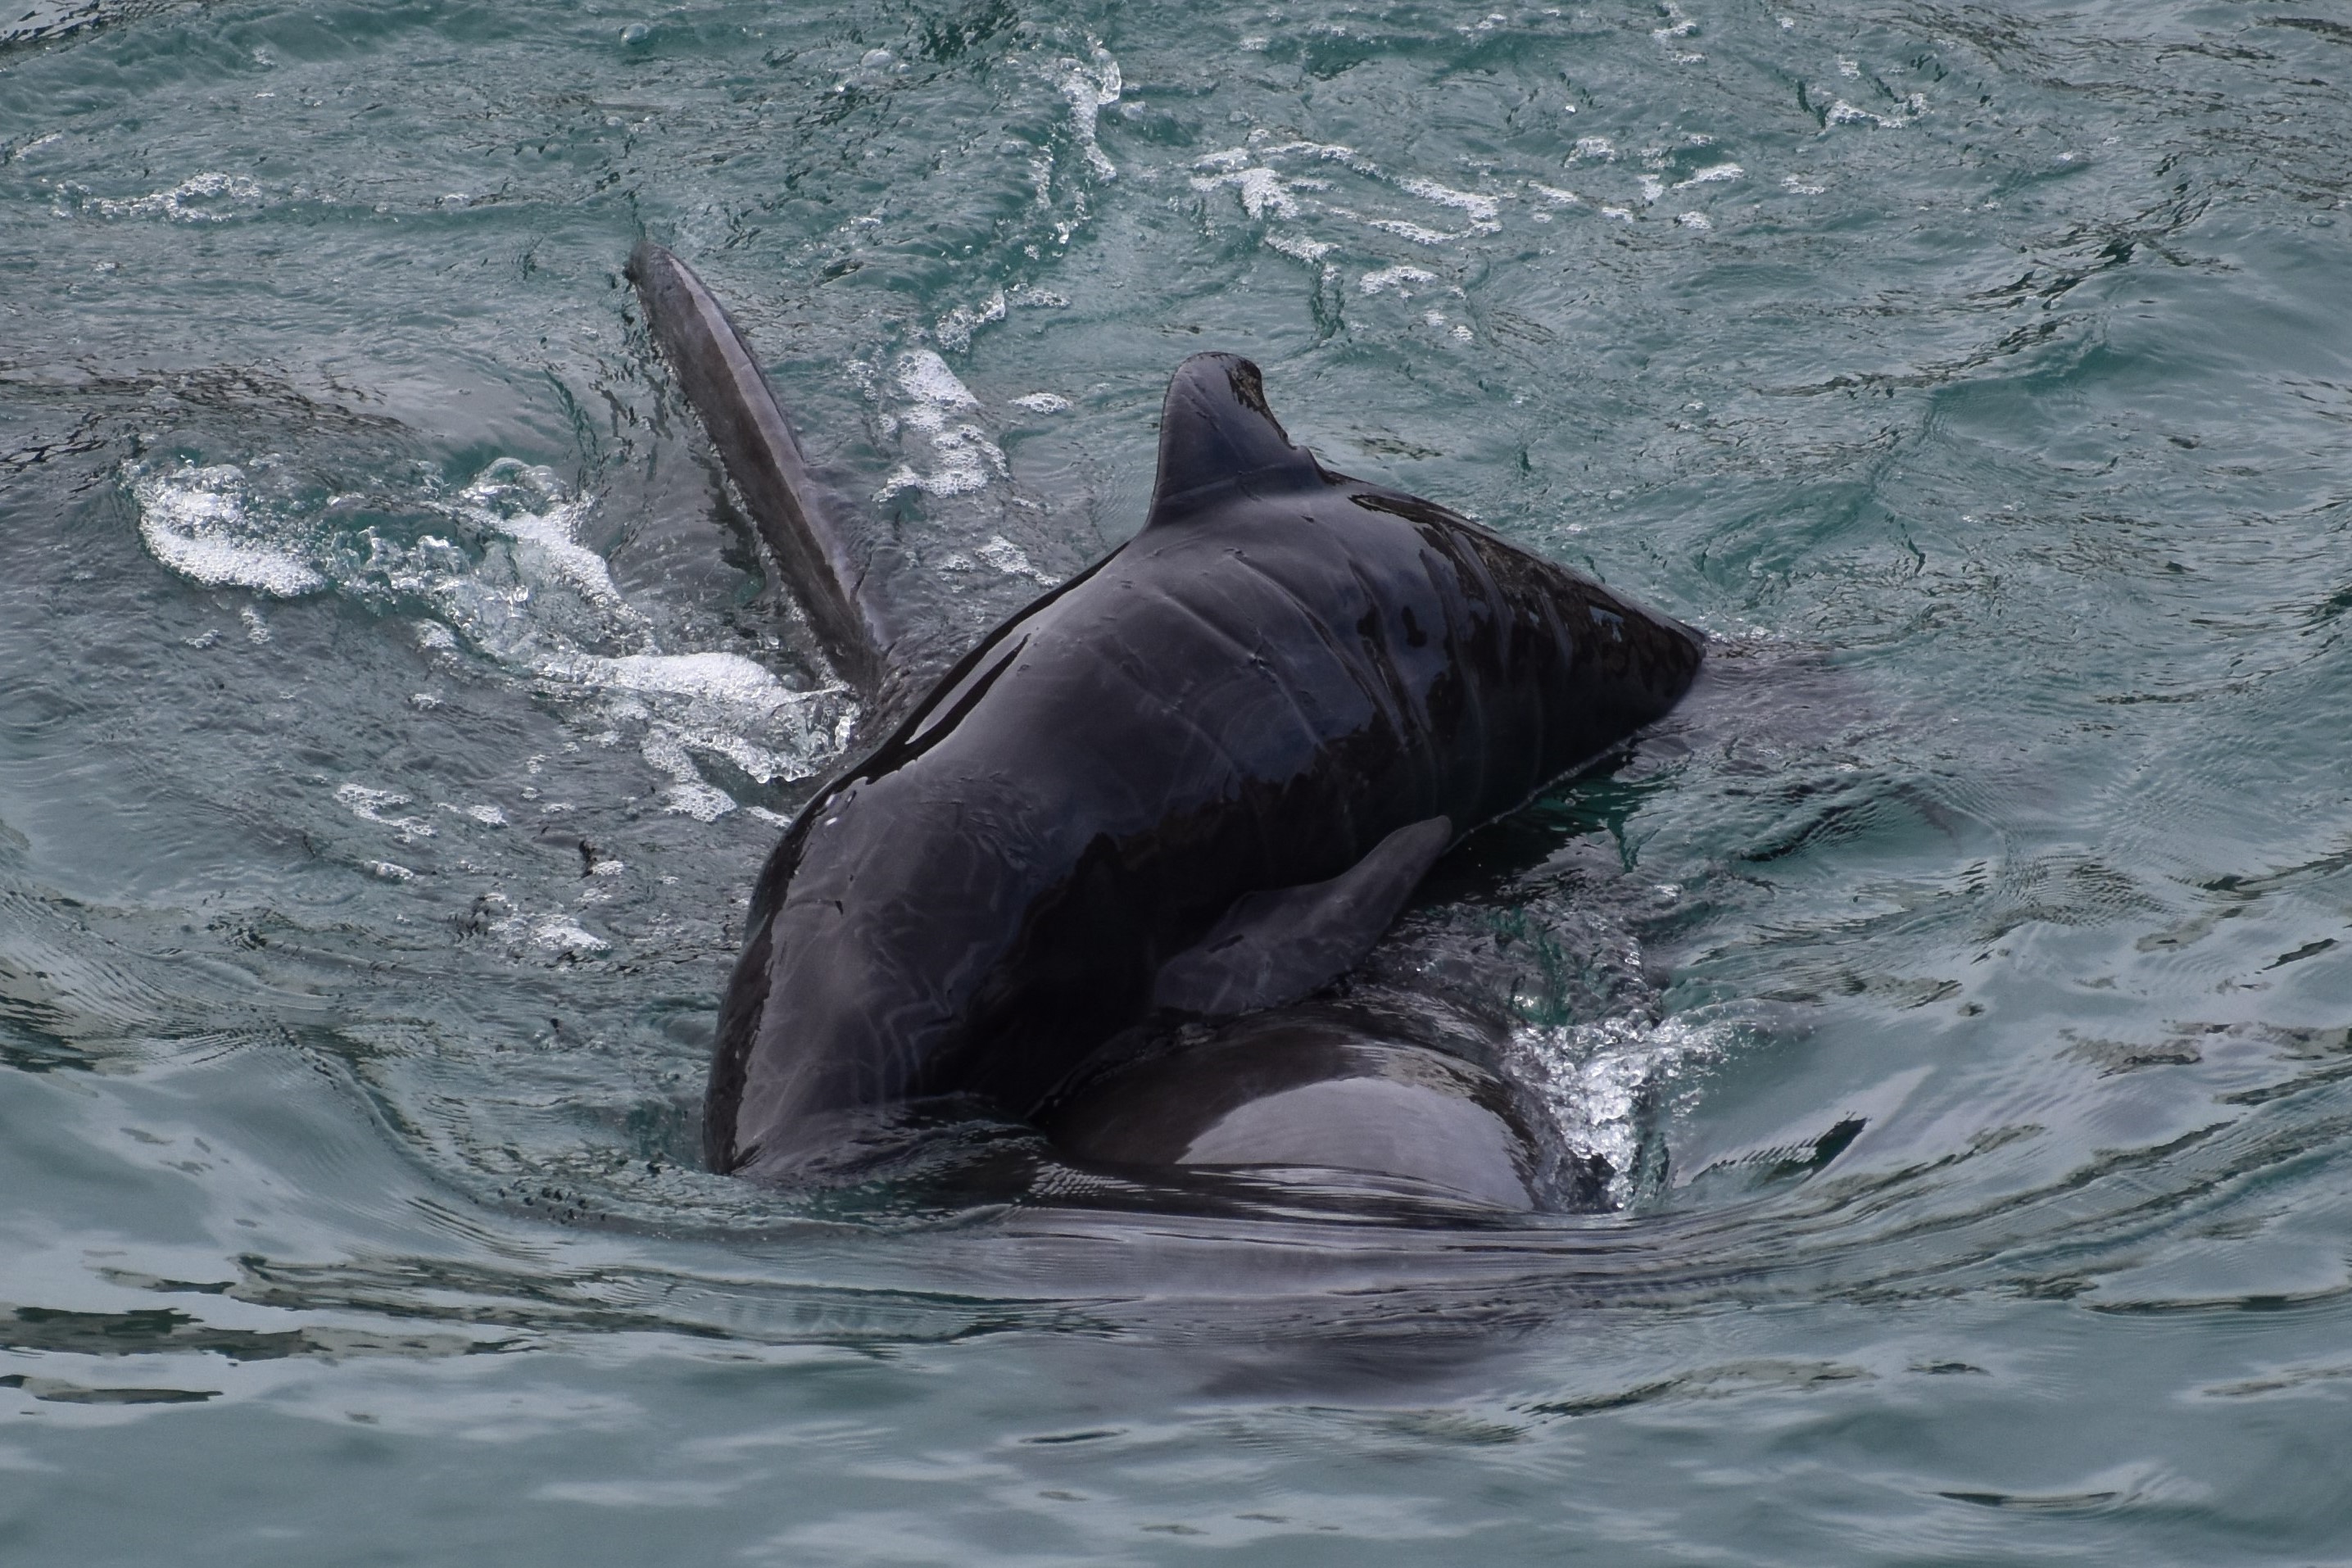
(1276, 947)
(829, 573)
(1217, 435)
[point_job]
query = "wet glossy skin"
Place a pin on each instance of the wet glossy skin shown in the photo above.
(1306, 1087)
(1283, 668)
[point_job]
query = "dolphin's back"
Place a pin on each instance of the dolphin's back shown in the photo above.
(1287, 679)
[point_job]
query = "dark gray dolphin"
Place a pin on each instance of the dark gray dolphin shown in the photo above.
(1198, 779)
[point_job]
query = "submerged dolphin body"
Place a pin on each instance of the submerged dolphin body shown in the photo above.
(1196, 780)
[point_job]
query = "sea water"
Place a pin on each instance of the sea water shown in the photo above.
(394, 710)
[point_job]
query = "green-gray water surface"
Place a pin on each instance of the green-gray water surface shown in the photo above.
(394, 713)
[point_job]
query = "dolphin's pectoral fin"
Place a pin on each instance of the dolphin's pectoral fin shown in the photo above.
(831, 574)
(1274, 947)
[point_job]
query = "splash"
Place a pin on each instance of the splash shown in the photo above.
(500, 571)
(195, 521)
(1602, 1085)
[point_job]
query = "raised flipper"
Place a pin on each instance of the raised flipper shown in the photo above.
(828, 567)
(1276, 947)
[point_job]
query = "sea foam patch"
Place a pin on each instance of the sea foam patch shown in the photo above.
(940, 413)
(209, 197)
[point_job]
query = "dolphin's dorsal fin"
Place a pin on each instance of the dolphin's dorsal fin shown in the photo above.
(1217, 435)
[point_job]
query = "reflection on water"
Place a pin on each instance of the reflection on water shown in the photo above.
(1947, 1010)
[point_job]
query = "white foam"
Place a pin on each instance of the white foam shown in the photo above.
(540, 603)
(1043, 403)
(1844, 113)
(724, 677)
(503, 499)
(176, 202)
(370, 806)
(1696, 220)
(1329, 151)
(561, 934)
(1263, 194)
(1396, 278)
(966, 460)
(1256, 173)
(955, 328)
(1713, 175)
(1554, 195)
(1483, 210)
(689, 794)
(925, 377)
(1012, 559)
(1091, 87)
(963, 457)
(1415, 232)
(1300, 246)
(195, 521)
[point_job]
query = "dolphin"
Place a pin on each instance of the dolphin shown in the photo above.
(1195, 781)
(1325, 1089)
